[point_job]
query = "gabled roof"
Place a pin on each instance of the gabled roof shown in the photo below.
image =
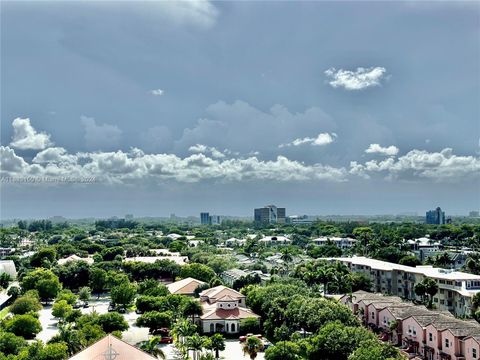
(227, 298)
(184, 286)
(113, 346)
(218, 292)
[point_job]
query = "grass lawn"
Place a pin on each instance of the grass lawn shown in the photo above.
(4, 312)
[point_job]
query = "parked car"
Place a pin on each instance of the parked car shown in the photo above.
(77, 305)
(85, 305)
(266, 344)
(244, 337)
(111, 307)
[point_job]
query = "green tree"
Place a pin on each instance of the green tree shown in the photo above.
(182, 329)
(111, 322)
(69, 337)
(98, 280)
(252, 346)
(123, 294)
(250, 325)
(374, 350)
(26, 326)
(61, 309)
(5, 280)
(151, 347)
(14, 292)
(44, 281)
(155, 320)
(198, 271)
(84, 294)
(10, 344)
(42, 255)
(195, 343)
(217, 344)
(409, 260)
(68, 296)
(25, 304)
(191, 307)
(55, 351)
(431, 288)
(283, 350)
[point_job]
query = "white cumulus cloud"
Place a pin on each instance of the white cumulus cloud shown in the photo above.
(25, 137)
(377, 149)
(434, 166)
(203, 149)
(321, 140)
(359, 79)
(157, 92)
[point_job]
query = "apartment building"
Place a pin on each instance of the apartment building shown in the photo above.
(419, 332)
(340, 242)
(455, 288)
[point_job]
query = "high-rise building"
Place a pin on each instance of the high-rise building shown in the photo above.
(204, 218)
(207, 219)
(436, 216)
(269, 214)
(474, 214)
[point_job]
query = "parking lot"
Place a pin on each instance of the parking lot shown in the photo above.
(134, 334)
(49, 323)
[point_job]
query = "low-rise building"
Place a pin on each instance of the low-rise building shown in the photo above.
(455, 288)
(8, 266)
(340, 242)
(185, 286)
(418, 331)
(223, 310)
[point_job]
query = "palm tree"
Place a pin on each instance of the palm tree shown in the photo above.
(192, 308)
(70, 337)
(182, 329)
(217, 344)
(252, 346)
(151, 347)
(195, 343)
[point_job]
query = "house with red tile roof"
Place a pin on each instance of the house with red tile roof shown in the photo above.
(223, 310)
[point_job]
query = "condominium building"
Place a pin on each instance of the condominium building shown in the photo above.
(207, 219)
(436, 216)
(455, 288)
(419, 332)
(269, 214)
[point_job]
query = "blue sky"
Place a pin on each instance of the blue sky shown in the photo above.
(322, 107)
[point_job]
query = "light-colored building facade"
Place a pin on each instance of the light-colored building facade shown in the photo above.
(455, 288)
(223, 310)
(340, 242)
(419, 332)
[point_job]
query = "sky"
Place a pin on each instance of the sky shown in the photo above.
(153, 108)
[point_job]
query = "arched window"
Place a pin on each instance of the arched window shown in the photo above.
(212, 328)
(232, 327)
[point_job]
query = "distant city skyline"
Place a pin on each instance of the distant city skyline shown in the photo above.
(158, 107)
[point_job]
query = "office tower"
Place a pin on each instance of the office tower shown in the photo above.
(204, 218)
(269, 214)
(436, 216)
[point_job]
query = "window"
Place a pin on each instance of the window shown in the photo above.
(430, 337)
(447, 343)
(474, 353)
(414, 331)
